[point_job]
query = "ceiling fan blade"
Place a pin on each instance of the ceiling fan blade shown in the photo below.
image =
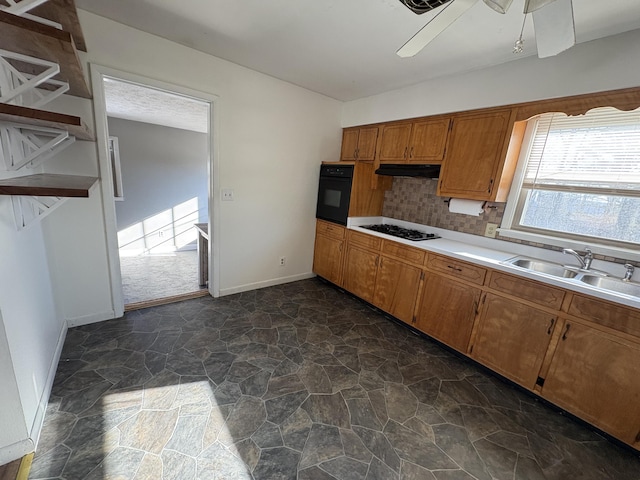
(533, 5)
(445, 17)
(554, 28)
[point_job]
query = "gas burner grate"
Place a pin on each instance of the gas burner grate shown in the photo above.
(423, 6)
(400, 232)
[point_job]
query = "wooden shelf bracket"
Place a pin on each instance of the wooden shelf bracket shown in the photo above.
(21, 86)
(21, 8)
(30, 145)
(26, 210)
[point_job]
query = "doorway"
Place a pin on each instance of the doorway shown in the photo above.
(159, 156)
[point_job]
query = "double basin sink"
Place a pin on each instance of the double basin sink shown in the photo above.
(594, 278)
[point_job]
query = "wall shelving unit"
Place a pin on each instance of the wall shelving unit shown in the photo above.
(38, 62)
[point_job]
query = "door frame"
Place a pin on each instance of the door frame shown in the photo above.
(98, 74)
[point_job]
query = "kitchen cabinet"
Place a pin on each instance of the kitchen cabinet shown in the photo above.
(480, 157)
(328, 252)
(396, 288)
(421, 141)
(373, 274)
(360, 268)
(594, 374)
(569, 348)
(512, 338)
(359, 143)
(447, 310)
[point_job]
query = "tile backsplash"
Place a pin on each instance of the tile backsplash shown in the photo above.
(415, 200)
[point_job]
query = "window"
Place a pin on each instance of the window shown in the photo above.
(579, 178)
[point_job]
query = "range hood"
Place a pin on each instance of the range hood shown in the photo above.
(404, 170)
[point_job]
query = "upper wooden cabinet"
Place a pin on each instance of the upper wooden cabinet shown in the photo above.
(359, 143)
(477, 154)
(421, 141)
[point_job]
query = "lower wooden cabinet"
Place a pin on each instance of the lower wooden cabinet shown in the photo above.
(447, 310)
(396, 288)
(360, 268)
(594, 374)
(329, 251)
(513, 338)
(579, 352)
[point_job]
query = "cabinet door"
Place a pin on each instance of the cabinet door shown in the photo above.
(367, 143)
(513, 338)
(428, 141)
(394, 144)
(360, 272)
(475, 150)
(447, 310)
(396, 289)
(327, 258)
(349, 144)
(595, 375)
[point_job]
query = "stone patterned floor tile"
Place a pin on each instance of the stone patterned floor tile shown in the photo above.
(296, 382)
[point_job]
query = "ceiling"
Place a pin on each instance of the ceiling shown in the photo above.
(131, 101)
(345, 49)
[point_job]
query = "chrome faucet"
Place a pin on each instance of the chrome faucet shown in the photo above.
(629, 273)
(585, 259)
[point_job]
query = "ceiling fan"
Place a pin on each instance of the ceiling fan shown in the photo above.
(552, 21)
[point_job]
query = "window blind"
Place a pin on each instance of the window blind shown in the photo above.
(594, 153)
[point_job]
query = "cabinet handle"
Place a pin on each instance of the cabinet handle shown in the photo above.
(490, 186)
(411, 153)
(553, 321)
(455, 269)
(475, 306)
(638, 437)
(405, 152)
(566, 330)
(355, 154)
(377, 259)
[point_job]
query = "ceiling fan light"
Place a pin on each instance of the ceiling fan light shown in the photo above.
(533, 5)
(500, 6)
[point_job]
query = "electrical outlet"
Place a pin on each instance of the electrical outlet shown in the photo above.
(490, 230)
(227, 195)
(283, 261)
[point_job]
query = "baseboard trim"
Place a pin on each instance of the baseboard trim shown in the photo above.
(38, 421)
(16, 450)
(93, 318)
(165, 300)
(265, 284)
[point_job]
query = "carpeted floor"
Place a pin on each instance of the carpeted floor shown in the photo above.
(149, 277)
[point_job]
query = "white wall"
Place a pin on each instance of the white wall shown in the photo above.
(271, 138)
(162, 168)
(31, 330)
(604, 64)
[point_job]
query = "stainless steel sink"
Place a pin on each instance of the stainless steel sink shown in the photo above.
(612, 284)
(540, 266)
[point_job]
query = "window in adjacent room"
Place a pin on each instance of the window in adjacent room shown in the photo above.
(579, 178)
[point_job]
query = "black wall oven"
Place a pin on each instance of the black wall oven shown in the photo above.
(334, 193)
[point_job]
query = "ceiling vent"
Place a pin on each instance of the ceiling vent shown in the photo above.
(423, 6)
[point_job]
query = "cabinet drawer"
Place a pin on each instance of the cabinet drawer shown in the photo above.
(527, 289)
(330, 229)
(364, 240)
(413, 255)
(610, 315)
(457, 268)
